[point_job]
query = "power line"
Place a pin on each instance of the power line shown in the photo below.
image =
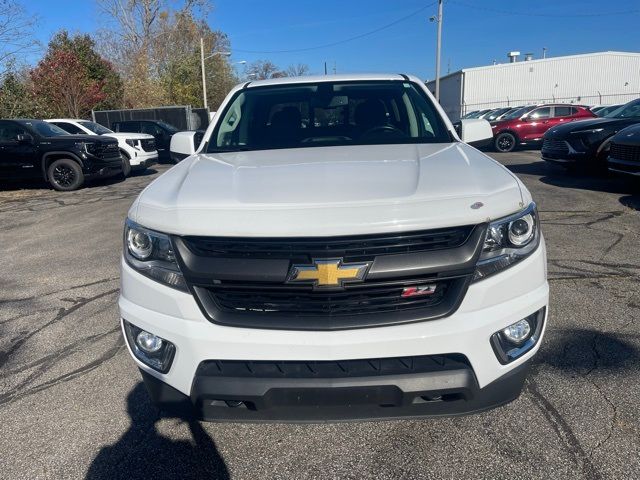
(547, 15)
(339, 42)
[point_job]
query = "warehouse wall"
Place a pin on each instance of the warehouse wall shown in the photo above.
(591, 79)
(450, 94)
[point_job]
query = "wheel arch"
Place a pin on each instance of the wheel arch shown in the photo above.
(49, 157)
(508, 130)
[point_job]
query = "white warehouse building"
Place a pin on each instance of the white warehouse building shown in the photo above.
(602, 78)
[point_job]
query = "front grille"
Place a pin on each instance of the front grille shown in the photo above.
(148, 145)
(108, 150)
(243, 282)
(630, 153)
(357, 299)
(555, 147)
(353, 248)
(371, 367)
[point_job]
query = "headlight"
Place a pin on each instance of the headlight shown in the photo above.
(151, 254)
(508, 241)
(131, 143)
(90, 148)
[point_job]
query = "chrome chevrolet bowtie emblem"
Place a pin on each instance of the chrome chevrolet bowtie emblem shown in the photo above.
(329, 272)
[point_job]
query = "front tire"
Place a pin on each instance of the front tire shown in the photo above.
(126, 164)
(65, 175)
(505, 142)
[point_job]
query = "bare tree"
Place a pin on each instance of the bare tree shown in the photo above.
(298, 70)
(155, 45)
(264, 69)
(16, 28)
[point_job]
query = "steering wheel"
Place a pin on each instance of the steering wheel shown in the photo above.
(386, 129)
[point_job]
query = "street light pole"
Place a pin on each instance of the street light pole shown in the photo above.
(204, 78)
(438, 49)
(204, 75)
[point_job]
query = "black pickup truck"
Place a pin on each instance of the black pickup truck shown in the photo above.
(31, 149)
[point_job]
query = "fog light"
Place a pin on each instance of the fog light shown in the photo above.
(518, 332)
(149, 342)
(518, 338)
(150, 349)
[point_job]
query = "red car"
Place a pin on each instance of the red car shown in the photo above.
(527, 125)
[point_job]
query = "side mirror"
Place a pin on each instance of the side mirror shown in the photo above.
(476, 132)
(182, 145)
(24, 138)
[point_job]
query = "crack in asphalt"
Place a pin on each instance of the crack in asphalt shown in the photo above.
(10, 397)
(62, 313)
(562, 430)
(75, 287)
(59, 354)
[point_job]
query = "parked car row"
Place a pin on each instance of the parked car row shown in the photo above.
(602, 110)
(611, 142)
(527, 125)
(67, 152)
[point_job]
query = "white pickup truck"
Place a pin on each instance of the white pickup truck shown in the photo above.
(334, 250)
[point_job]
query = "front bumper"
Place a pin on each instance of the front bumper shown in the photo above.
(143, 160)
(627, 167)
(489, 306)
(102, 168)
(454, 392)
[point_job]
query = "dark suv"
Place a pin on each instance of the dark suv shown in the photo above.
(35, 149)
(586, 143)
(161, 131)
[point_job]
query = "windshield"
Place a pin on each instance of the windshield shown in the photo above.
(328, 113)
(95, 128)
(631, 109)
(45, 129)
(517, 113)
(170, 128)
(496, 113)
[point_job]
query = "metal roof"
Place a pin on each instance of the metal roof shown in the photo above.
(540, 60)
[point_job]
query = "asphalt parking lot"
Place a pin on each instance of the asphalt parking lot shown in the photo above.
(72, 405)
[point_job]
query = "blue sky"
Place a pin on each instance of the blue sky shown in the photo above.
(475, 32)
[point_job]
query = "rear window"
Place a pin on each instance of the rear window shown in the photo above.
(127, 127)
(95, 128)
(45, 129)
(327, 113)
(564, 111)
(539, 113)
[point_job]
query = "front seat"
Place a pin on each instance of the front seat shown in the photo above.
(370, 114)
(286, 125)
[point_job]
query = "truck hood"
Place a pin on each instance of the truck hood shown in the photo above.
(612, 124)
(65, 139)
(129, 136)
(329, 191)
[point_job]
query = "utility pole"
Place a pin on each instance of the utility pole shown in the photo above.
(204, 74)
(544, 52)
(438, 49)
(204, 78)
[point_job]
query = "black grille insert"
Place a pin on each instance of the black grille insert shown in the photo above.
(554, 146)
(630, 153)
(357, 299)
(352, 248)
(148, 145)
(332, 369)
